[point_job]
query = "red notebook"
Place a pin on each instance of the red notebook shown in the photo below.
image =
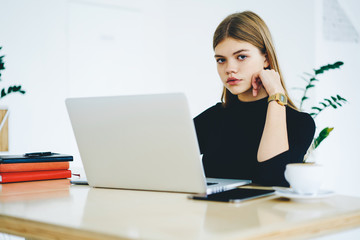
(39, 166)
(31, 176)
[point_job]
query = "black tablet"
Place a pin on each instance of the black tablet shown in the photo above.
(235, 195)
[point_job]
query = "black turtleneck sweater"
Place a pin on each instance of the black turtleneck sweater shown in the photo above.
(229, 139)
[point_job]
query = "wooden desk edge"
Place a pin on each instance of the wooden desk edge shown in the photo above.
(39, 230)
(314, 228)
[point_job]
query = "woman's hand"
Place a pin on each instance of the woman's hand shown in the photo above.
(269, 79)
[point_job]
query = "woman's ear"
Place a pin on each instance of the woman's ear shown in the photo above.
(266, 62)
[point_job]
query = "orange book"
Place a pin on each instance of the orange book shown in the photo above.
(31, 176)
(30, 167)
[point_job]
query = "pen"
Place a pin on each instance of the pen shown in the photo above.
(38, 154)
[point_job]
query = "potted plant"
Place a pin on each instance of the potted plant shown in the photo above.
(306, 178)
(333, 102)
(10, 89)
(4, 112)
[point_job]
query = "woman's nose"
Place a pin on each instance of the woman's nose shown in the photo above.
(231, 67)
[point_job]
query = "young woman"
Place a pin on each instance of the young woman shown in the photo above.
(256, 130)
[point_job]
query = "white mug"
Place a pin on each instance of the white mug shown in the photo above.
(304, 178)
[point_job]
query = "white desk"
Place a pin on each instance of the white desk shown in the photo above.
(56, 210)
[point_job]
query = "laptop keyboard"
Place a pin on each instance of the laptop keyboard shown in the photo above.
(211, 183)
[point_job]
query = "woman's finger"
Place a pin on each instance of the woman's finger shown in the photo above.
(256, 84)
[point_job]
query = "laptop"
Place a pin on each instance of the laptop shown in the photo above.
(142, 142)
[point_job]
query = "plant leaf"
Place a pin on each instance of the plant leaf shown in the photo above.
(328, 67)
(3, 94)
(309, 74)
(2, 64)
(12, 89)
(310, 86)
(322, 135)
(317, 108)
(340, 98)
(338, 64)
(15, 88)
(330, 102)
(304, 98)
(324, 104)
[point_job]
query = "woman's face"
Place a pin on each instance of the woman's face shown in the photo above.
(237, 61)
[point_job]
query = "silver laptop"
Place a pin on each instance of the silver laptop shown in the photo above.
(144, 142)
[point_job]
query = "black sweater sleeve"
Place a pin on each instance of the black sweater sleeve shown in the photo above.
(301, 129)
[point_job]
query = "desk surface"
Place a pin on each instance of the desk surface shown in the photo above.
(57, 210)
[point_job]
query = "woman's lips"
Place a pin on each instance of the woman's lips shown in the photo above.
(233, 81)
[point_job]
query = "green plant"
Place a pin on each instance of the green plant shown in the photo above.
(11, 89)
(330, 102)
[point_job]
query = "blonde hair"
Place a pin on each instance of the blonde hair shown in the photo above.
(249, 27)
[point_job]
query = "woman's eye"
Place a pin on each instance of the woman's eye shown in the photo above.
(241, 57)
(220, 60)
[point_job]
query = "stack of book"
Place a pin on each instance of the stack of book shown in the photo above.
(34, 166)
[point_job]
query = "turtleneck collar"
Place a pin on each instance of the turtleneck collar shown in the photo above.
(254, 104)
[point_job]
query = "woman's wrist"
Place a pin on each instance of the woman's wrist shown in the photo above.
(276, 90)
(279, 98)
